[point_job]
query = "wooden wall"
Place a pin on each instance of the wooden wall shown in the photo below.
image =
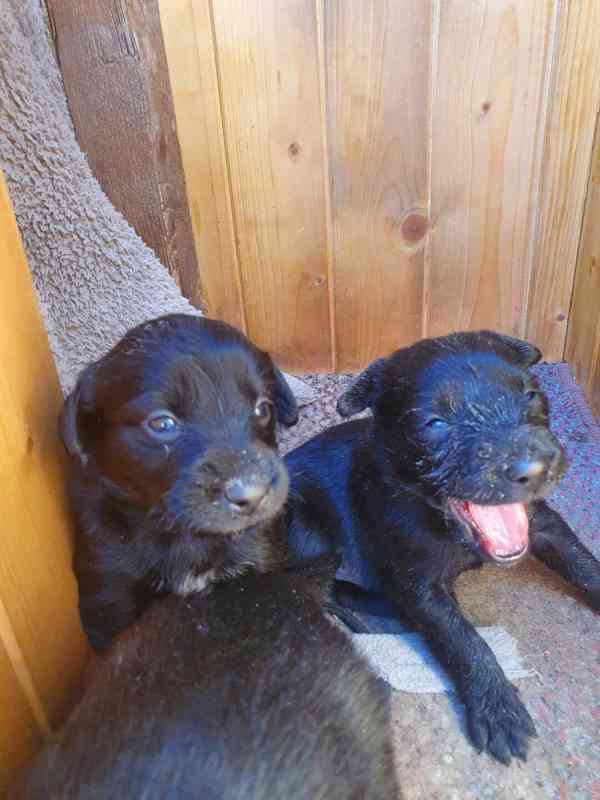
(41, 644)
(583, 338)
(361, 173)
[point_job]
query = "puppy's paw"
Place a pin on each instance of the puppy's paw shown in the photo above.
(499, 723)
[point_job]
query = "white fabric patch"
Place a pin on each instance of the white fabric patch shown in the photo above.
(407, 664)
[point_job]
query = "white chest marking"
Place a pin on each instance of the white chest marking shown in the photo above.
(195, 583)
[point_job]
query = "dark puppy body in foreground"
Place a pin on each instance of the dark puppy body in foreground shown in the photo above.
(248, 693)
(176, 482)
(448, 474)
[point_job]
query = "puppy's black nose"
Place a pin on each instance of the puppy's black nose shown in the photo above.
(526, 470)
(246, 495)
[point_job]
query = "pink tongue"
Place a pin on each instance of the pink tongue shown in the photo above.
(504, 529)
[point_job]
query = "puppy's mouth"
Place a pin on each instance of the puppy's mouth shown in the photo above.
(501, 532)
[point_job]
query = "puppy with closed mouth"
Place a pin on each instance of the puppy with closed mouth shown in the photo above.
(450, 472)
(247, 691)
(176, 481)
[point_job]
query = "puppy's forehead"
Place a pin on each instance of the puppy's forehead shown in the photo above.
(457, 378)
(180, 372)
(191, 381)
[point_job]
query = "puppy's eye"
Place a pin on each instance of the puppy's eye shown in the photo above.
(532, 395)
(163, 427)
(263, 411)
(436, 424)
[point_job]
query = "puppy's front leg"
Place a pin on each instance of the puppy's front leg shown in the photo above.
(106, 613)
(109, 601)
(497, 720)
(554, 543)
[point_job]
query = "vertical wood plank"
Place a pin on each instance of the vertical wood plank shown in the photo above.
(583, 336)
(38, 594)
(378, 62)
(269, 85)
(20, 736)
(187, 32)
(114, 70)
(320, 7)
(575, 101)
(488, 115)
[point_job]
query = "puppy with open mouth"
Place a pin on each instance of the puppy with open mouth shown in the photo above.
(176, 481)
(450, 472)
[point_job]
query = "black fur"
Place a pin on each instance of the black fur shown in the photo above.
(249, 693)
(457, 418)
(163, 511)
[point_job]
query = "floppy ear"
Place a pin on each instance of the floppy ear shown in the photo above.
(285, 402)
(67, 421)
(523, 353)
(362, 391)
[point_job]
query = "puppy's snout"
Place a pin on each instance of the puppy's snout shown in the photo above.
(527, 470)
(535, 461)
(246, 494)
(232, 488)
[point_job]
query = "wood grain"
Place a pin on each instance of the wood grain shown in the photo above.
(488, 116)
(574, 104)
(378, 58)
(187, 32)
(583, 336)
(267, 62)
(39, 623)
(451, 196)
(114, 70)
(20, 736)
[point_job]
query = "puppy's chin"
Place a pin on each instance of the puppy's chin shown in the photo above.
(227, 523)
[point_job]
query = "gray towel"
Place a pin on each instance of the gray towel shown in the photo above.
(406, 663)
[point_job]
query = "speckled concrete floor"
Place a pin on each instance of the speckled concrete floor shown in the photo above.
(558, 637)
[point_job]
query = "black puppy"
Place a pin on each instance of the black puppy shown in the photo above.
(249, 693)
(176, 479)
(449, 473)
